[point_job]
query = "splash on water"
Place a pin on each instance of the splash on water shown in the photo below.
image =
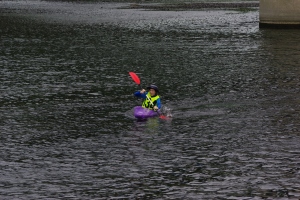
(166, 111)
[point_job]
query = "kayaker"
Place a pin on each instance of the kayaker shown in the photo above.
(151, 98)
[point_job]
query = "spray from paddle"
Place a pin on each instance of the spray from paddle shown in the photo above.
(167, 111)
(137, 80)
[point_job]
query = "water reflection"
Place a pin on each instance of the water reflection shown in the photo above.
(147, 126)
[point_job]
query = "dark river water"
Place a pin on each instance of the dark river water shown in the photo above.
(67, 129)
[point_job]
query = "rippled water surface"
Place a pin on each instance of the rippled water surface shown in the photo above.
(67, 129)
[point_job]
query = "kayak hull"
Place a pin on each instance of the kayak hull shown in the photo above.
(143, 113)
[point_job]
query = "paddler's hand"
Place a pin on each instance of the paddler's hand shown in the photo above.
(155, 108)
(142, 91)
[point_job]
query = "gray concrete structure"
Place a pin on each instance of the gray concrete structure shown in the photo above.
(279, 13)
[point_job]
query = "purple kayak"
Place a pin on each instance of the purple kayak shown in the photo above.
(143, 113)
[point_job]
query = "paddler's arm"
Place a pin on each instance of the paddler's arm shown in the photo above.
(158, 104)
(140, 94)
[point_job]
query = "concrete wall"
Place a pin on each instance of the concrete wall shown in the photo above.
(279, 13)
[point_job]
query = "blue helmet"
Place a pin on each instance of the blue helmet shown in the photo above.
(154, 87)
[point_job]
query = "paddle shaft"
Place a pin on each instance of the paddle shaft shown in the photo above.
(147, 97)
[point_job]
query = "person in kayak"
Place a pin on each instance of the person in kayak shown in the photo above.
(151, 98)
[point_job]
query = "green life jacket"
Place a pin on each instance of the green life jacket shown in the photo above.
(148, 104)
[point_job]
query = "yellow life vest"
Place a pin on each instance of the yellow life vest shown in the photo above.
(148, 104)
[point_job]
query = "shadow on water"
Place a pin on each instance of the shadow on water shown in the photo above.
(233, 90)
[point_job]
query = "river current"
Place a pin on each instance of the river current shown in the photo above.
(67, 130)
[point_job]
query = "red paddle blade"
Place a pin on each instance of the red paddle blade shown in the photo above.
(135, 78)
(163, 117)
